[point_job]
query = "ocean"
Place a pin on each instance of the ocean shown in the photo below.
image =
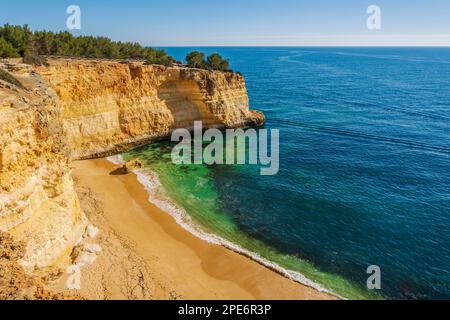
(364, 170)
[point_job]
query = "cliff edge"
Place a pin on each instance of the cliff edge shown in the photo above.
(38, 203)
(108, 107)
(78, 109)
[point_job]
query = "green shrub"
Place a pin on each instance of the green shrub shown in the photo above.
(34, 59)
(196, 59)
(165, 61)
(216, 62)
(20, 41)
(7, 50)
(19, 37)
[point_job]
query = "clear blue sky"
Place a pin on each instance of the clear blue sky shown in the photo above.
(243, 22)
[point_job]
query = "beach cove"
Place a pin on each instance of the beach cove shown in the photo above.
(173, 263)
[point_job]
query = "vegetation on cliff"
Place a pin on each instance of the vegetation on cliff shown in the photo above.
(20, 41)
(196, 59)
(7, 50)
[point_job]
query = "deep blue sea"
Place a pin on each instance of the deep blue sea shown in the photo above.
(364, 168)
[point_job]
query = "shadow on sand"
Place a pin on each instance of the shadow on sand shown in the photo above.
(119, 172)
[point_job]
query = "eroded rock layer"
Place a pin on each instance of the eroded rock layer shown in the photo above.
(38, 203)
(75, 109)
(108, 107)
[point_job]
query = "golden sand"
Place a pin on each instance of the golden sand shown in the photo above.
(147, 255)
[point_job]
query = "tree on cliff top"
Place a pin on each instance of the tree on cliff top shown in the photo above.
(7, 50)
(216, 62)
(27, 43)
(196, 59)
(18, 37)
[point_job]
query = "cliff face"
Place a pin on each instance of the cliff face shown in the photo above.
(76, 109)
(108, 107)
(38, 204)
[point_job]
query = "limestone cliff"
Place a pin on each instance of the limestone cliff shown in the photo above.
(108, 107)
(75, 109)
(38, 204)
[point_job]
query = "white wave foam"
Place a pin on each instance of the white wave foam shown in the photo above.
(157, 195)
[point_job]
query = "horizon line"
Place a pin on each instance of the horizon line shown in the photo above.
(299, 46)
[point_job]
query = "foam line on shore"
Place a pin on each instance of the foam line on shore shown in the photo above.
(157, 196)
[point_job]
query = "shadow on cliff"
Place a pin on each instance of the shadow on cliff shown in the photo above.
(185, 101)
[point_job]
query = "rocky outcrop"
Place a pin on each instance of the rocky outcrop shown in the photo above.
(38, 203)
(75, 109)
(108, 107)
(132, 165)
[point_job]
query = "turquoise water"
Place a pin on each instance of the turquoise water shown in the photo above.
(364, 168)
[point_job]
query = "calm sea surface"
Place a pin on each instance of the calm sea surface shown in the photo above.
(364, 168)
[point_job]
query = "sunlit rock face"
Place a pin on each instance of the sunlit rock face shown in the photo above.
(108, 107)
(75, 109)
(38, 202)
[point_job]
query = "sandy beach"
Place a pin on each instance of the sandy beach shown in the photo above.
(147, 255)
